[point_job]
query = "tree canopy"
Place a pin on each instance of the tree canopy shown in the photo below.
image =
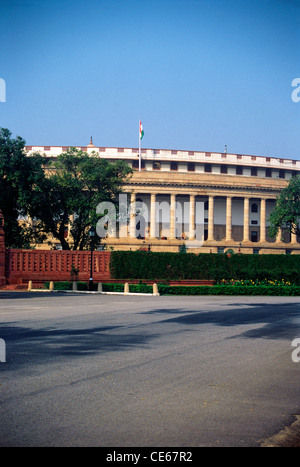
(75, 183)
(287, 210)
(57, 194)
(19, 177)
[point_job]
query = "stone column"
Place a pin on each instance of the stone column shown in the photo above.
(152, 215)
(293, 237)
(192, 218)
(172, 215)
(210, 233)
(228, 218)
(246, 220)
(279, 235)
(132, 215)
(262, 220)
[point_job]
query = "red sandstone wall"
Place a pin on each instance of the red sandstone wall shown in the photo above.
(45, 265)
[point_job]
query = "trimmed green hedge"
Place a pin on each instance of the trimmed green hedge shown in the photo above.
(179, 266)
(66, 285)
(291, 290)
(229, 290)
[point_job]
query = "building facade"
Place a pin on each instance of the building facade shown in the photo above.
(208, 202)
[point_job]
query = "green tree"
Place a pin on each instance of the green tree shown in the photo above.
(75, 184)
(287, 210)
(19, 177)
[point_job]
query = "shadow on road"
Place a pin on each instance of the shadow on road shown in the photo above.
(278, 321)
(41, 345)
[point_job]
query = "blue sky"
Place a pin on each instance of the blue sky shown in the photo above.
(200, 74)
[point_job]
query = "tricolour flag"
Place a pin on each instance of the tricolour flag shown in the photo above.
(141, 130)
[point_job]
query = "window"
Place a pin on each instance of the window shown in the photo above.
(254, 222)
(156, 165)
(207, 167)
(191, 167)
(254, 207)
(268, 173)
(281, 173)
(288, 252)
(239, 170)
(253, 236)
(206, 206)
(253, 171)
(135, 164)
(220, 250)
(223, 169)
(256, 251)
(174, 166)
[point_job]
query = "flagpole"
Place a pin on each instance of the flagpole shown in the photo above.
(140, 162)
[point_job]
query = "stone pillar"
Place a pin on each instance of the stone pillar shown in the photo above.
(132, 226)
(210, 233)
(293, 237)
(192, 218)
(279, 235)
(228, 218)
(246, 220)
(152, 216)
(262, 220)
(2, 250)
(172, 215)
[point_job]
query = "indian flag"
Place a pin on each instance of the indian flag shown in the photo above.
(141, 130)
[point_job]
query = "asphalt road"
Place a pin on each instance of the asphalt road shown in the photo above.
(116, 371)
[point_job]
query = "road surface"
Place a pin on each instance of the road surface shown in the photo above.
(122, 371)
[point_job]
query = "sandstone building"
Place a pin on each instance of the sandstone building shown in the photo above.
(207, 201)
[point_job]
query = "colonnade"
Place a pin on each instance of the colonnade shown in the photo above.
(209, 221)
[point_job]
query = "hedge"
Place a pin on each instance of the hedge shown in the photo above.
(229, 290)
(292, 290)
(210, 266)
(83, 286)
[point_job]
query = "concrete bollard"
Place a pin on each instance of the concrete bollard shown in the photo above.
(155, 290)
(51, 285)
(29, 285)
(100, 288)
(74, 287)
(126, 288)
